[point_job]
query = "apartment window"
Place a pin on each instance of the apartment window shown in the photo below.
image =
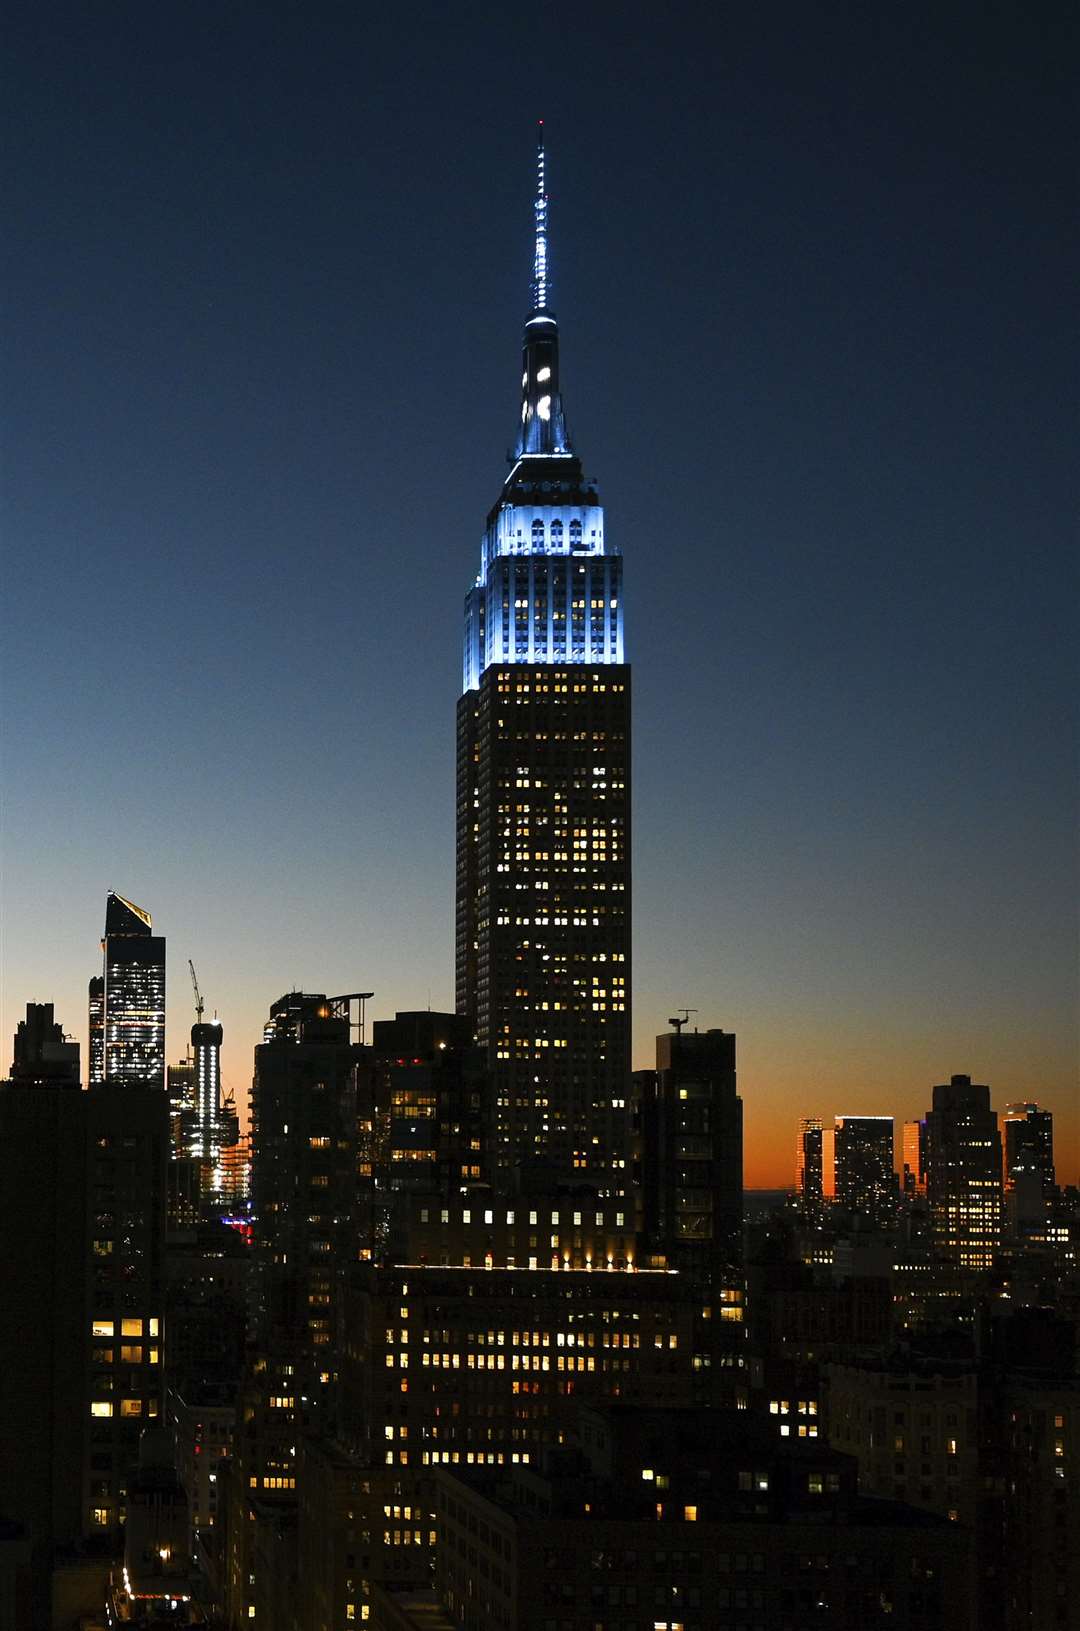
(131, 1328)
(131, 1407)
(101, 1407)
(103, 1328)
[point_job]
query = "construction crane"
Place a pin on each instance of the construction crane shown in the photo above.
(199, 1004)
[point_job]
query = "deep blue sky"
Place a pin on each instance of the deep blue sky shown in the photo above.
(266, 271)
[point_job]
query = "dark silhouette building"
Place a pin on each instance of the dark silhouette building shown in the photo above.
(691, 1149)
(865, 1174)
(1029, 1144)
(81, 1315)
(964, 1173)
(42, 1053)
(543, 800)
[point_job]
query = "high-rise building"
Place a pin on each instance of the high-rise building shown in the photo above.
(865, 1176)
(963, 1181)
(203, 1124)
(691, 1149)
(914, 1173)
(96, 1034)
(1029, 1144)
(180, 1082)
(303, 1175)
(81, 1314)
(42, 1053)
(127, 1012)
(808, 1169)
(828, 1164)
(543, 801)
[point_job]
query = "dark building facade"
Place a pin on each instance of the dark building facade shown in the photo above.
(1029, 1144)
(303, 1173)
(691, 1148)
(865, 1175)
(684, 1521)
(543, 800)
(42, 1053)
(81, 1315)
(964, 1173)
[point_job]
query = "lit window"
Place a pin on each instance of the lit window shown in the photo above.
(101, 1407)
(131, 1407)
(131, 1328)
(103, 1328)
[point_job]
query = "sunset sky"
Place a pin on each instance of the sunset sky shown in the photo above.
(266, 274)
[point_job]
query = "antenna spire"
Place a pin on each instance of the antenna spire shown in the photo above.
(540, 269)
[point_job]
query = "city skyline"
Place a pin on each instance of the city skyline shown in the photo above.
(843, 876)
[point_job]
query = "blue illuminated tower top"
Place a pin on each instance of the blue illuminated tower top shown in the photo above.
(548, 591)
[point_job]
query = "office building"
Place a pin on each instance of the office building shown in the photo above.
(180, 1085)
(808, 1168)
(865, 1175)
(964, 1173)
(127, 1008)
(691, 1150)
(543, 799)
(1029, 1144)
(428, 1127)
(913, 1179)
(96, 1031)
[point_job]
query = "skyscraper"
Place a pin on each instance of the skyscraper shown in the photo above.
(96, 1015)
(865, 1177)
(963, 1180)
(914, 1173)
(127, 1013)
(808, 1168)
(543, 803)
(1029, 1144)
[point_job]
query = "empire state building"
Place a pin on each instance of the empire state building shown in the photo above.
(543, 799)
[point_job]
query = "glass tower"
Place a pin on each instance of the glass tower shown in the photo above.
(130, 1032)
(543, 800)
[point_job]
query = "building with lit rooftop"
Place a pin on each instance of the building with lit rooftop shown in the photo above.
(127, 1001)
(543, 798)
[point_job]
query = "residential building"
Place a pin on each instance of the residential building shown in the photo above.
(691, 1150)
